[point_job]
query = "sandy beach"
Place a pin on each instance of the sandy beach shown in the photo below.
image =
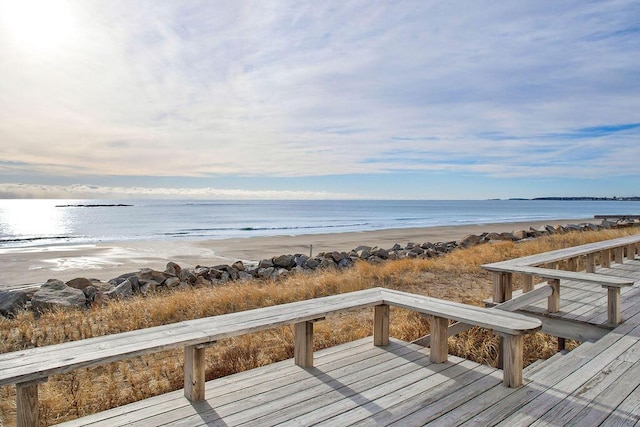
(34, 265)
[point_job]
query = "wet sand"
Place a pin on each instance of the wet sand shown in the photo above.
(34, 265)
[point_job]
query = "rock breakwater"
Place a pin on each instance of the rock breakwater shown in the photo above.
(85, 292)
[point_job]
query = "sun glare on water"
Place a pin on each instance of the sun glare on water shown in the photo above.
(41, 25)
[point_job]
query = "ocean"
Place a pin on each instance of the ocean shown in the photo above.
(49, 222)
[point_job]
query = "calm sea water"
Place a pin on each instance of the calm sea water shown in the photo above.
(46, 222)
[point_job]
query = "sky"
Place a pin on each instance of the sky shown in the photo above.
(319, 99)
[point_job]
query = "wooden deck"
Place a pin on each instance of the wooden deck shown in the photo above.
(382, 381)
(360, 384)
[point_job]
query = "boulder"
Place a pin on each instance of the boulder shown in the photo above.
(173, 269)
(149, 274)
(265, 263)
(312, 263)
(301, 260)
(345, 263)
(520, 234)
(92, 294)
(201, 282)
(122, 291)
(243, 276)
(238, 265)
(338, 256)
(508, 236)
(79, 283)
(12, 302)
(380, 253)
(56, 294)
(116, 281)
(265, 273)
(363, 252)
(173, 282)
(147, 287)
(469, 241)
(327, 263)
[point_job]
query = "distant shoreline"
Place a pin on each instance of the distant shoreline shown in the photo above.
(604, 199)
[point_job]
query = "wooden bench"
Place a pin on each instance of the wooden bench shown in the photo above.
(545, 266)
(30, 367)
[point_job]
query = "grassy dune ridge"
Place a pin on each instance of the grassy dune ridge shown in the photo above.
(456, 276)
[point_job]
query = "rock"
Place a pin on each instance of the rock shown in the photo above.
(300, 260)
(469, 241)
(380, 253)
(90, 293)
(214, 273)
(327, 263)
(79, 283)
(606, 224)
(238, 265)
(508, 236)
(265, 263)
(396, 247)
(233, 273)
(338, 256)
(243, 276)
(417, 250)
(363, 253)
(106, 287)
(149, 274)
(201, 282)
(116, 281)
(56, 294)
(550, 229)
(12, 302)
(122, 291)
(173, 269)
(345, 263)
(147, 287)
(520, 234)
(173, 282)
(265, 273)
(189, 275)
(312, 263)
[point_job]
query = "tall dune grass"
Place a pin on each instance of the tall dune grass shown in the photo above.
(456, 276)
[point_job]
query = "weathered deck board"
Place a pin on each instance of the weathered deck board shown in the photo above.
(360, 384)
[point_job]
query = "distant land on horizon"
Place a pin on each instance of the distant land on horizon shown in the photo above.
(624, 199)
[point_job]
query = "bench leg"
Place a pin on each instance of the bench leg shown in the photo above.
(619, 255)
(613, 306)
(502, 286)
(590, 263)
(381, 325)
(527, 283)
(631, 252)
(553, 302)
(512, 358)
(303, 344)
(606, 258)
(27, 403)
(439, 348)
(194, 373)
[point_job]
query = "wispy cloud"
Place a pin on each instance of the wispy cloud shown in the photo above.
(284, 89)
(93, 191)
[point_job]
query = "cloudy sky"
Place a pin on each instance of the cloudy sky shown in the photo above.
(320, 99)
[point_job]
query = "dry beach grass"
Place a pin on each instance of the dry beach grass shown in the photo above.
(456, 276)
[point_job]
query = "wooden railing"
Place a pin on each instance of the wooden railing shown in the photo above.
(545, 266)
(30, 367)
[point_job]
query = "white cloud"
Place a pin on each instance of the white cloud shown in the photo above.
(79, 191)
(320, 88)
